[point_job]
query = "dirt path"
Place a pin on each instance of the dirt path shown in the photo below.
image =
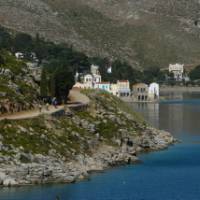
(77, 96)
(31, 114)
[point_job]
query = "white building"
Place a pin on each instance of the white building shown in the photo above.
(114, 89)
(88, 81)
(123, 87)
(154, 91)
(177, 70)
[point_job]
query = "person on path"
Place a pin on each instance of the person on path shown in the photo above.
(47, 106)
(54, 102)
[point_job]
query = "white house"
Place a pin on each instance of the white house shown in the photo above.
(177, 70)
(123, 87)
(153, 93)
(89, 80)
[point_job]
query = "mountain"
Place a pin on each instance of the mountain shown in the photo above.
(143, 32)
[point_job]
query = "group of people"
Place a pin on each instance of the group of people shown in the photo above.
(54, 102)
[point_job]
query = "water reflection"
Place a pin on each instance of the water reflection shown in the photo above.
(178, 115)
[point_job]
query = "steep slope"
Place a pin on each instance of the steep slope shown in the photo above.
(145, 32)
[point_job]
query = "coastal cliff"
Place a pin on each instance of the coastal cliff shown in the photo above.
(66, 148)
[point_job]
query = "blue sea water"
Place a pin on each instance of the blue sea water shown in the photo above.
(172, 174)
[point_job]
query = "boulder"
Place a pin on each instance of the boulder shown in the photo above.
(2, 177)
(9, 182)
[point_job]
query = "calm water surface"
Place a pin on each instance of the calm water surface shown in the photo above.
(173, 174)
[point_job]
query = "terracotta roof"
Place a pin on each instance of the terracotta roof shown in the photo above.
(104, 83)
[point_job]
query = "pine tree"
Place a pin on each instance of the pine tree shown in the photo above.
(44, 84)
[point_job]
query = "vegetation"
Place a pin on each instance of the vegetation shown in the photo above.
(61, 61)
(69, 136)
(195, 73)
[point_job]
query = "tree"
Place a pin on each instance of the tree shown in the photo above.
(2, 60)
(23, 42)
(5, 39)
(40, 48)
(195, 73)
(153, 74)
(64, 80)
(44, 84)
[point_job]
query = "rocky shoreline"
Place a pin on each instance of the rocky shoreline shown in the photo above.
(66, 149)
(47, 169)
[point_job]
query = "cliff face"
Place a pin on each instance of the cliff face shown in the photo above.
(145, 32)
(65, 149)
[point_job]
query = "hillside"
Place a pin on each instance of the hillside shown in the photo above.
(145, 33)
(18, 88)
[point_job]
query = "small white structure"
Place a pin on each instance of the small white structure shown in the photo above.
(94, 69)
(109, 70)
(177, 70)
(153, 93)
(19, 55)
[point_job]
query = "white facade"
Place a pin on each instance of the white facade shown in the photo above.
(79, 85)
(177, 70)
(154, 91)
(123, 87)
(96, 78)
(88, 81)
(114, 89)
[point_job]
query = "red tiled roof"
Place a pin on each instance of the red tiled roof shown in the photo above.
(104, 83)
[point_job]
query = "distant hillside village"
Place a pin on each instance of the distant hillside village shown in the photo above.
(122, 88)
(53, 66)
(138, 92)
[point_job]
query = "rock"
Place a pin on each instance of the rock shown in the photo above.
(9, 182)
(22, 129)
(2, 177)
